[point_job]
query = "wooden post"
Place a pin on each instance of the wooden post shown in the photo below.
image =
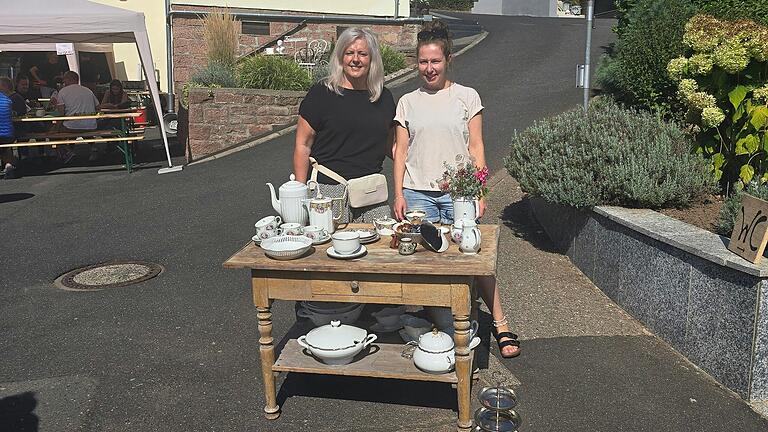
(460, 306)
(267, 354)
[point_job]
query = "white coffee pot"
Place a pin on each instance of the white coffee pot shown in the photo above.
(291, 205)
(321, 211)
(470, 237)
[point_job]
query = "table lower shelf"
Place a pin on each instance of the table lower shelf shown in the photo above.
(383, 361)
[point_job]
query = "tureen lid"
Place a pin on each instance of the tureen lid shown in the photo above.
(335, 336)
(293, 187)
(435, 342)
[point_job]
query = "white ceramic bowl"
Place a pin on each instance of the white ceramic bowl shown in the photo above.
(319, 318)
(390, 316)
(286, 247)
(346, 242)
(329, 307)
(415, 326)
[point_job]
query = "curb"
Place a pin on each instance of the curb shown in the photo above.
(392, 80)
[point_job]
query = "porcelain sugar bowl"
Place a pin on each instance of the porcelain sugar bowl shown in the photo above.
(336, 343)
(435, 352)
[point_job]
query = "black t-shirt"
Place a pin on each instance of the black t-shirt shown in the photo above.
(350, 130)
(49, 71)
(19, 104)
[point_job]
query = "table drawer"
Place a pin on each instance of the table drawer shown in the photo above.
(357, 285)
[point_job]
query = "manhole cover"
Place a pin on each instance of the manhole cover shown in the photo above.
(108, 275)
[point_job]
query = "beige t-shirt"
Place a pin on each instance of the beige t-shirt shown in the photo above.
(438, 129)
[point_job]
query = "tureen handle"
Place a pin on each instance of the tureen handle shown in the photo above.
(369, 340)
(303, 341)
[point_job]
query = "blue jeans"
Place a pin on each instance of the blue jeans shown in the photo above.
(437, 205)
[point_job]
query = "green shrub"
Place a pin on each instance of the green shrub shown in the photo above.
(459, 5)
(756, 10)
(215, 74)
(731, 206)
(273, 73)
(651, 34)
(393, 59)
(723, 83)
(611, 155)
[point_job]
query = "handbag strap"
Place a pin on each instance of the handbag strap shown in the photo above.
(316, 166)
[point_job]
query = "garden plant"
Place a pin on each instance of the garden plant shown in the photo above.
(723, 83)
(610, 155)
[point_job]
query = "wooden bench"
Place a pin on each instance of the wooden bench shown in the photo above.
(53, 139)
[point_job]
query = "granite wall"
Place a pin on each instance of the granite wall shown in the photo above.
(219, 119)
(679, 280)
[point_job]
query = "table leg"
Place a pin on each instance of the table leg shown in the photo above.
(462, 326)
(267, 354)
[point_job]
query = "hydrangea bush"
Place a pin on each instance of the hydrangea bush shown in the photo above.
(723, 82)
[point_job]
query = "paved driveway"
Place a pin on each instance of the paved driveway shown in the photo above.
(178, 353)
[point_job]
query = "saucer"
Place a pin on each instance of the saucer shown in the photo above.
(371, 239)
(333, 254)
(378, 328)
(256, 239)
(321, 240)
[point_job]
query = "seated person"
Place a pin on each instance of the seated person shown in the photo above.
(75, 99)
(25, 90)
(7, 160)
(116, 97)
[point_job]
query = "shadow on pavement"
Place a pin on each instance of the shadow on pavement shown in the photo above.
(517, 217)
(620, 383)
(12, 197)
(17, 413)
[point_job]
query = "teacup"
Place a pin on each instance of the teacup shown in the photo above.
(291, 228)
(384, 226)
(346, 242)
(415, 216)
(315, 232)
(267, 227)
(40, 112)
(407, 246)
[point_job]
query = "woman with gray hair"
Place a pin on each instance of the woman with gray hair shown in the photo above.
(346, 121)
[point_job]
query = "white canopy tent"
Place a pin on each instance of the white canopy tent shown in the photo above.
(79, 22)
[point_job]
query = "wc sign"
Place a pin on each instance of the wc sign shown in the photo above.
(750, 232)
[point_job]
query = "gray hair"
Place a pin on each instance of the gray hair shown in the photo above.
(375, 70)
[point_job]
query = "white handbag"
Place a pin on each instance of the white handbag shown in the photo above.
(362, 191)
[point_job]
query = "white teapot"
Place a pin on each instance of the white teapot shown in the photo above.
(321, 211)
(290, 206)
(435, 352)
(470, 237)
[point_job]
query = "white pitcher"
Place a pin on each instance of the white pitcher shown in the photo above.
(321, 211)
(470, 237)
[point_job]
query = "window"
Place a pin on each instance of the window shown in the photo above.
(256, 28)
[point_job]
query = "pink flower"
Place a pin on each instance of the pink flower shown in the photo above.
(482, 175)
(444, 185)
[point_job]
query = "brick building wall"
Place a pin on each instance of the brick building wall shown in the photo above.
(189, 51)
(222, 118)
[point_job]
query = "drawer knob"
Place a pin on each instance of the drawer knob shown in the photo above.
(355, 286)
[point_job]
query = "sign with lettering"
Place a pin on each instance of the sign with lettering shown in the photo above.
(65, 49)
(750, 232)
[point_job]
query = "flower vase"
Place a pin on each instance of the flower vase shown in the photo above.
(464, 208)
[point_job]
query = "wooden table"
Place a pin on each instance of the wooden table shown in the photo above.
(381, 276)
(123, 138)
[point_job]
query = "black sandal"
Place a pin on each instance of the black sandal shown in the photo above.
(512, 341)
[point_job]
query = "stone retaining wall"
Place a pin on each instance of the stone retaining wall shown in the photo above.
(679, 280)
(189, 51)
(223, 118)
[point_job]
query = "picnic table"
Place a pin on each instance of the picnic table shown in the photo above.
(123, 136)
(381, 276)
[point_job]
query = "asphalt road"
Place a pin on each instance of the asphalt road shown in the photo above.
(179, 352)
